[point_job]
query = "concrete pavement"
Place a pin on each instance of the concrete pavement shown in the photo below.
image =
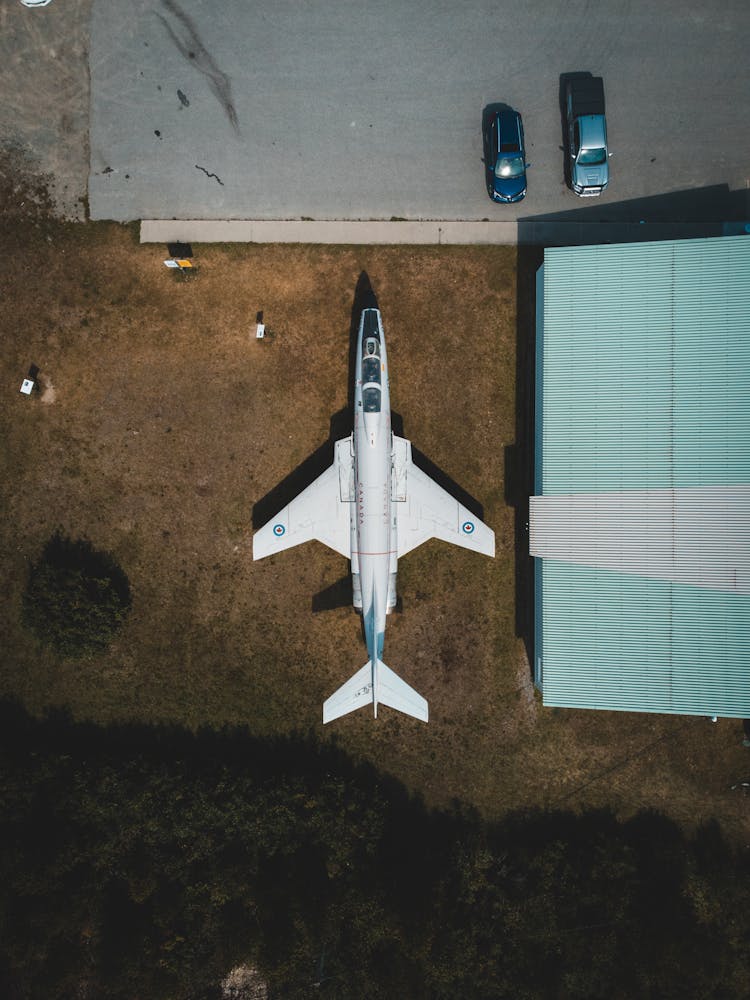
(538, 233)
(352, 233)
(44, 113)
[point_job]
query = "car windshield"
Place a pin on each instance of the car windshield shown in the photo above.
(591, 157)
(509, 166)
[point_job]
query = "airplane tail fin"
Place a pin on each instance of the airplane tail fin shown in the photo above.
(375, 684)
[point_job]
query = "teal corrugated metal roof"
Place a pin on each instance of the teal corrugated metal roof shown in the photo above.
(646, 359)
(615, 641)
(643, 383)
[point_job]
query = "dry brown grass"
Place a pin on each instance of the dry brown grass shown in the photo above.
(164, 421)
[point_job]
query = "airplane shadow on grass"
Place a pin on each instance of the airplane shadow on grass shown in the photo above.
(339, 594)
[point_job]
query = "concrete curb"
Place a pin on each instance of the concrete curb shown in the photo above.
(434, 233)
(342, 233)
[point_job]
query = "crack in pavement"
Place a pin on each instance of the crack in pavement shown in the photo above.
(216, 176)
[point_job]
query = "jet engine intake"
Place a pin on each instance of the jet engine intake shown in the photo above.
(392, 595)
(357, 592)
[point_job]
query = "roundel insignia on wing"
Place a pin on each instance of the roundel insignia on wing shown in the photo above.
(468, 527)
(278, 530)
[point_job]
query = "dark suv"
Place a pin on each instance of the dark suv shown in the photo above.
(505, 156)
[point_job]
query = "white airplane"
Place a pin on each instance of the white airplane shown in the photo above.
(373, 505)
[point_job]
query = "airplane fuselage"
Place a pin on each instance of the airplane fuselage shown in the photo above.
(373, 525)
(372, 505)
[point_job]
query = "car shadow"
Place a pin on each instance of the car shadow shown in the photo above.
(565, 79)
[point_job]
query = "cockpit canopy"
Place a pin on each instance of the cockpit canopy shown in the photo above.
(371, 399)
(371, 370)
(370, 361)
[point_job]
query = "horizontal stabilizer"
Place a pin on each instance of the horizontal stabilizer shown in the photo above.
(395, 693)
(392, 691)
(350, 696)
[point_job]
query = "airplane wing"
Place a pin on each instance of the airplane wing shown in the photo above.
(429, 511)
(322, 511)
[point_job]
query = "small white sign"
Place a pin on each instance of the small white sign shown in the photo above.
(27, 386)
(171, 263)
(260, 331)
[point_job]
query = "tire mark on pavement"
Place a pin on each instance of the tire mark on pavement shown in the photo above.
(192, 48)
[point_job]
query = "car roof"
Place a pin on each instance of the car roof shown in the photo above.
(592, 131)
(508, 132)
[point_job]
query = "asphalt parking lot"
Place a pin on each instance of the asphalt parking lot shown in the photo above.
(349, 110)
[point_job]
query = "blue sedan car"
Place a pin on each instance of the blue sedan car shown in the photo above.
(505, 156)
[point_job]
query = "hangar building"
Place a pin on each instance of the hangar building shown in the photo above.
(640, 526)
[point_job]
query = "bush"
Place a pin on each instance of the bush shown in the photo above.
(76, 598)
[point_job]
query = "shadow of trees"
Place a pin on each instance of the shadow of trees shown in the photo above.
(149, 861)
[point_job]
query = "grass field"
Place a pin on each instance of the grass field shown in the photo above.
(162, 424)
